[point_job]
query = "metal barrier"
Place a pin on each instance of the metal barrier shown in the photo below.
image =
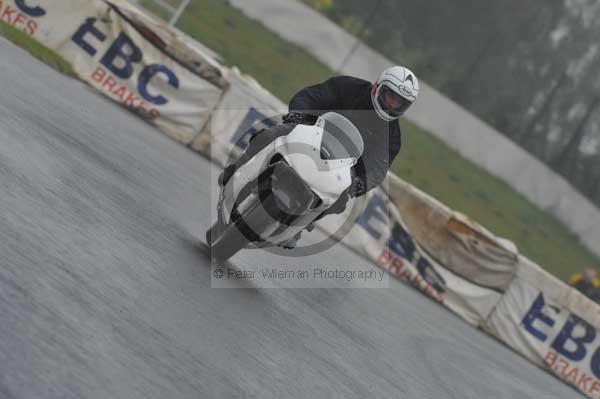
(175, 11)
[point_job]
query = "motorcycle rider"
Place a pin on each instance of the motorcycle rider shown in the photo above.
(373, 108)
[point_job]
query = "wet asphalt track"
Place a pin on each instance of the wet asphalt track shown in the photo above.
(104, 294)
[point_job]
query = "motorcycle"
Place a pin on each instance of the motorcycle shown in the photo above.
(284, 186)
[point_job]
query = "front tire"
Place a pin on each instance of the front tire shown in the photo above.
(226, 242)
(213, 233)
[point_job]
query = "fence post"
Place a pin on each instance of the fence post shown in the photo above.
(179, 11)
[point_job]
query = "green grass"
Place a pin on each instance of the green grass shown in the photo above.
(156, 9)
(424, 160)
(36, 49)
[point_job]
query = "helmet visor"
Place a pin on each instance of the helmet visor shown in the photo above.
(392, 103)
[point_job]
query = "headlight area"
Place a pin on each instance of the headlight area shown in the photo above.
(291, 196)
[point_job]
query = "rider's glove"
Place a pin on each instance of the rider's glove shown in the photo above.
(358, 187)
(296, 118)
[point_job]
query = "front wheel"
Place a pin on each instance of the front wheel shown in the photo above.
(225, 241)
(256, 223)
(213, 232)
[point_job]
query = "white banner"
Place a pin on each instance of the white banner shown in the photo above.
(381, 235)
(51, 22)
(111, 55)
(545, 320)
(245, 107)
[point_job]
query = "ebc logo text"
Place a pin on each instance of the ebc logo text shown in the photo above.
(31, 10)
(119, 61)
(248, 127)
(575, 339)
(400, 244)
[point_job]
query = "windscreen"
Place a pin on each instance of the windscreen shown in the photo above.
(341, 139)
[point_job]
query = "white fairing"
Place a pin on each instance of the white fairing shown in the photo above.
(301, 150)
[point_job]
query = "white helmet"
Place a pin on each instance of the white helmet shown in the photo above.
(394, 92)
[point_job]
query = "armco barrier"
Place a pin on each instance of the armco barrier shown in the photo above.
(131, 57)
